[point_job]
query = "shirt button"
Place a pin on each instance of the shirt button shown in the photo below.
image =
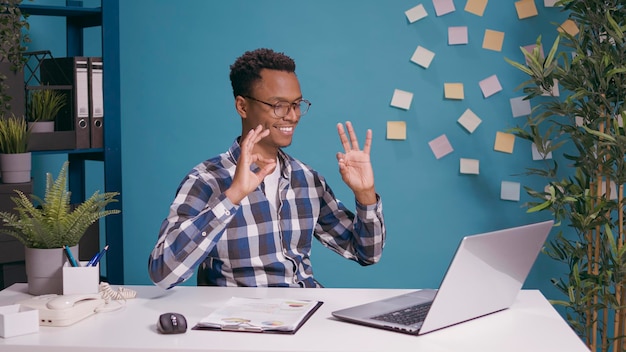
(203, 233)
(227, 212)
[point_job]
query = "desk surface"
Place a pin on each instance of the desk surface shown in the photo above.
(531, 324)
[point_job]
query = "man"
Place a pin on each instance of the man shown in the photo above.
(248, 215)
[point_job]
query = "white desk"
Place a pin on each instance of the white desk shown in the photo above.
(531, 324)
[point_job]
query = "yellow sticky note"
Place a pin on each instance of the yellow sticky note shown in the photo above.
(477, 7)
(493, 40)
(396, 130)
(570, 27)
(526, 8)
(453, 90)
(504, 142)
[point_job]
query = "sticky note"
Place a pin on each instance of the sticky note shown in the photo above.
(537, 155)
(453, 90)
(532, 47)
(526, 9)
(440, 146)
(443, 7)
(493, 40)
(469, 166)
(469, 120)
(504, 142)
(509, 190)
(554, 91)
(549, 3)
(490, 86)
(422, 56)
(401, 99)
(416, 13)
(520, 107)
(477, 7)
(396, 130)
(570, 27)
(457, 35)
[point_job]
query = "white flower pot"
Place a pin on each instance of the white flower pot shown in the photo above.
(15, 168)
(41, 126)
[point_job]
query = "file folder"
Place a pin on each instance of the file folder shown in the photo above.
(96, 102)
(75, 116)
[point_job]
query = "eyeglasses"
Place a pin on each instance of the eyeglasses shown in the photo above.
(282, 108)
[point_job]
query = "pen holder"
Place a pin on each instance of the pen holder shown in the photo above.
(81, 279)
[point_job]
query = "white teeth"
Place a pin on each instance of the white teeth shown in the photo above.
(286, 129)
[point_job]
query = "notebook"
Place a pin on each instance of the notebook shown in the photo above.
(485, 276)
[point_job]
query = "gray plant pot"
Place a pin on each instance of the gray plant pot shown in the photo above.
(15, 168)
(44, 269)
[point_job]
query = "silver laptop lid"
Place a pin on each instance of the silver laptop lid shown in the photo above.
(486, 274)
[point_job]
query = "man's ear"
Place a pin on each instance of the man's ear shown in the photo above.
(240, 106)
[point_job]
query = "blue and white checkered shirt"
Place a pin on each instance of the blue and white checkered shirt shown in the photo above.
(251, 244)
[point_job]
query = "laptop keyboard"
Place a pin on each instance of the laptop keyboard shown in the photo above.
(406, 316)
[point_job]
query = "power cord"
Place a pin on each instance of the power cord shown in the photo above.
(122, 293)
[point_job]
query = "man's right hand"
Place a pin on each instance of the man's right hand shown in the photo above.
(245, 180)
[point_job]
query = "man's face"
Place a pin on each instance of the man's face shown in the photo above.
(275, 86)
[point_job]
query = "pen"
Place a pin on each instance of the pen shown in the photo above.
(69, 256)
(96, 258)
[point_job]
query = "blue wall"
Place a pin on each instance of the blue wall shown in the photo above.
(177, 110)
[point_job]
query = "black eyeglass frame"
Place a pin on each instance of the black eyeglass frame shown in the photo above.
(289, 107)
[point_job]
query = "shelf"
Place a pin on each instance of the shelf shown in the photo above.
(80, 16)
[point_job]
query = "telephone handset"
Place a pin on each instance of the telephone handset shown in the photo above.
(64, 310)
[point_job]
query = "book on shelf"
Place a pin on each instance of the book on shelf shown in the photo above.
(273, 315)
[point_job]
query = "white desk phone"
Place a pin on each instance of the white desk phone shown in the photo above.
(64, 310)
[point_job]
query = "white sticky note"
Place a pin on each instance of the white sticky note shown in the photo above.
(549, 3)
(443, 7)
(469, 121)
(537, 155)
(401, 99)
(490, 86)
(457, 35)
(416, 13)
(520, 107)
(440, 146)
(555, 89)
(469, 166)
(509, 190)
(422, 56)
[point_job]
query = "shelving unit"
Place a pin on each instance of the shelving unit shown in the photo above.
(77, 19)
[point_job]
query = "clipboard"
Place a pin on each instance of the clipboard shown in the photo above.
(260, 315)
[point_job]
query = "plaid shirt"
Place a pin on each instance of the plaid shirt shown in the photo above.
(252, 245)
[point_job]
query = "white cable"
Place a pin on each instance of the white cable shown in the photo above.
(121, 294)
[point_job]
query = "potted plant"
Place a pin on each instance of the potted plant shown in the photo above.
(584, 131)
(46, 225)
(42, 107)
(12, 39)
(15, 159)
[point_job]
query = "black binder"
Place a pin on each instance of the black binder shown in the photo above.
(96, 102)
(75, 116)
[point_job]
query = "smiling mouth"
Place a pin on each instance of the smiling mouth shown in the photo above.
(286, 130)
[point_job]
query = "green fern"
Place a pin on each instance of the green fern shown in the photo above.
(53, 222)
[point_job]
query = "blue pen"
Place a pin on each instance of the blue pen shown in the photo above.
(96, 258)
(70, 257)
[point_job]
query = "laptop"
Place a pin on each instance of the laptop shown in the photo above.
(485, 276)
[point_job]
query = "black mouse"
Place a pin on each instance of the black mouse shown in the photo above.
(172, 323)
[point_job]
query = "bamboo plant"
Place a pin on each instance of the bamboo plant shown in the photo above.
(53, 222)
(14, 134)
(583, 130)
(44, 104)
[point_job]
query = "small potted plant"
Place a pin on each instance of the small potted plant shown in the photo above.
(42, 108)
(47, 225)
(15, 159)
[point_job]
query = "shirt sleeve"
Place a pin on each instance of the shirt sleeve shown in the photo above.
(197, 218)
(359, 237)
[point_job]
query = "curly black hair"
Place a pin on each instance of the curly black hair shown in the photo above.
(247, 68)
